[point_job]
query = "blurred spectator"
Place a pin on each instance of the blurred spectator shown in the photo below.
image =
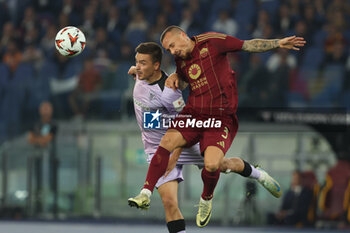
(102, 42)
(43, 131)
(320, 9)
(225, 24)
(262, 21)
(312, 21)
(253, 84)
(187, 20)
(67, 7)
(136, 30)
(46, 44)
(102, 61)
(63, 21)
(29, 20)
(8, 34)
(4, 16)
(283, 22)
(89, 82)
(133, 7)
(158, 28)
(137, 22)
(114, 21)
(295, 9)
(31, 36)
(281, 56)
(12, 56)
(33, 55)
(334, 195)
(335, 36)
(168, 7)
(336, 56)
(295, 204)
(89, 23)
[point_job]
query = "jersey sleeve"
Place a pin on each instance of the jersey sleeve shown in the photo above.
(172, 100)
(226, 43)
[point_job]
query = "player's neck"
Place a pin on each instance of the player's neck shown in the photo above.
(193, 43)
(155, 77)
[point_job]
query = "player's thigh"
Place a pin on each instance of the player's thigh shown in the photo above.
(220, 137)
(168, 194)
(172, 139)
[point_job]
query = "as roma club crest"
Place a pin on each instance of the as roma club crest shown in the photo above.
(194, 71)
(204, 52)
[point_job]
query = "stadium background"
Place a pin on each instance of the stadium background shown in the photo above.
(98, 155)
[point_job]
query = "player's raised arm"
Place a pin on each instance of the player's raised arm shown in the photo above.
(262, 45)
(175, 82)
(132, 71)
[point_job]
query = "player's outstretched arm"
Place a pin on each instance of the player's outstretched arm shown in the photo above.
(262, 45)
(132, 71)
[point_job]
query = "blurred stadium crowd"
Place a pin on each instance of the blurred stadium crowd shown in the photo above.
(95, 84)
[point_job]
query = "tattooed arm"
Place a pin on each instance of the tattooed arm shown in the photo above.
(261, 45)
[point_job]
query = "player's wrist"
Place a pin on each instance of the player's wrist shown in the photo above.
(278, 43)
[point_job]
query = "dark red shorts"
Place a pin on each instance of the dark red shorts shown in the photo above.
(219, 135)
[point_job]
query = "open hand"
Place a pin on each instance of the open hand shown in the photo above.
(292, 42)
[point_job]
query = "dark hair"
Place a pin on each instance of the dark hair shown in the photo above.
(152, 49)
(169, 29)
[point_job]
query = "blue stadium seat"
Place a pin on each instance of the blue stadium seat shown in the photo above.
(296, 100)
(136, 37)
(39, 91)
(334, 74)
(4, 77)
(319, 38)
(121, 76)
(346, 100)
(111, 105)
(271, 6)
(218, 6)
(73, 68)
(48, 70)
(245, 11)
(331, 93)
(312, 58)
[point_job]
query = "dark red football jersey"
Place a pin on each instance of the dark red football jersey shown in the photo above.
(212, 82)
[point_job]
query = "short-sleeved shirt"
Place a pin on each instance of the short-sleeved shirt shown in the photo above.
(212, 82)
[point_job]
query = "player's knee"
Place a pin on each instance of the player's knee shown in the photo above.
(166, 142)
(169, 203)
(211, 167)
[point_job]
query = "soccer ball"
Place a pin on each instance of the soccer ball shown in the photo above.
(70, 41)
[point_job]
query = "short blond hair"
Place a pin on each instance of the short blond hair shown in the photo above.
(170, 29)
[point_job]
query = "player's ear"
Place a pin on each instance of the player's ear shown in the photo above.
(156, 65)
